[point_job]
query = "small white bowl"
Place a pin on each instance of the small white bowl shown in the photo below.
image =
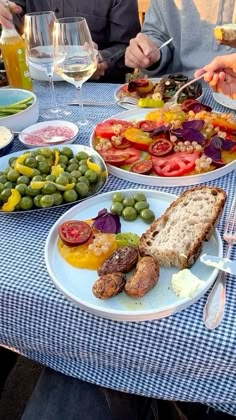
(6, 140)
(30, 142)
(22, 119)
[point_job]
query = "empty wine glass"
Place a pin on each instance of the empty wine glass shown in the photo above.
(38, 31)
(74, 54)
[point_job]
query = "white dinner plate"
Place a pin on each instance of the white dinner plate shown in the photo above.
(76, 284)
(171, 181)
(117, 95)
(75, 148)
(225, 100)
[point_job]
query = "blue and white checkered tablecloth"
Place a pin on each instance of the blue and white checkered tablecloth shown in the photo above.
(174, 358)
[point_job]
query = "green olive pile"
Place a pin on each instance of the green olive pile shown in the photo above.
(131, 207)
(54, 190)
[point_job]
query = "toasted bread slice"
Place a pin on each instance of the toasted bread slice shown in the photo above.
(176, 238)
(225, 32)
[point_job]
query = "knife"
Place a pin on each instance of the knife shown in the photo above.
(223, 264)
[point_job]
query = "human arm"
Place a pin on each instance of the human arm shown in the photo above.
(221, 75)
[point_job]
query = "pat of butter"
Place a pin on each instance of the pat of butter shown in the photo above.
(5, 136)
(184, 283)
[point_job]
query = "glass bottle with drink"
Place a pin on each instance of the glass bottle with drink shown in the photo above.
(13, 53)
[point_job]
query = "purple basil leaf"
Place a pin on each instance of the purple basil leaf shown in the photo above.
(159, 130)
(214, 153)
(178, 132)
(216, 141)
(227, 144)
(196, 124)
(193, 135)
(196, 108)
(100, 213)
(107, 223)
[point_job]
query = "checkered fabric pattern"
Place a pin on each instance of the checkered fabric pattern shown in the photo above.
(175, 358)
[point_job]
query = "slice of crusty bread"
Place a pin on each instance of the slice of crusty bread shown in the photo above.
(225, 32)
(176, 238)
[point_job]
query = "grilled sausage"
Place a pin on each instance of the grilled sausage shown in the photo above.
(144, 278)
(122, 261)
(109, 285)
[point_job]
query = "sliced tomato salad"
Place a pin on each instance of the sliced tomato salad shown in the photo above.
(121, 157)
(110, 128)
(74, 232)
(177, 164)
(160, 147)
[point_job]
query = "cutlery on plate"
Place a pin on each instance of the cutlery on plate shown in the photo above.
(174, 99)
(223, 264)
(214, 308)
(125, 100)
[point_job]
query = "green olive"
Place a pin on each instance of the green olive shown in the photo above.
(37, 178)
(13, 175)
(82, 155)
(147, 215)
(12, 161)
(76, 174)
(63, 159)
(37, 199)
(141, 205)
(139, 197)
(23, 179)
(51, 178)
(118, 196)
(8, 184)
(91, 175)
(49, 189)
(70, 196)
(43, 167)
(47, 153)
(128, 202)
(30, 162)
(116, 208)
(84, 179)
(82, 189)
(62, 180)
(35, 172)
(129, 213)
(5, 194)
(26, 203)
(32, 192)
(1, 187)
(83, 169)
(21, 188)
(72, 167)
(3, 179)
(46, 201)
(57, 198)
(40, 158)
(67, 152)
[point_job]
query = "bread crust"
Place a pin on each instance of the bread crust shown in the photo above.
(176, 238)
(225, 32)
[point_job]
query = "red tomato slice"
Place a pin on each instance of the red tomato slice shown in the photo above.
(160, 147)
(134, 155)
(142, 167)
(74, 232)
(176, 164)
(115, 157)
(106, 129)
(122, 145)
(146, 125)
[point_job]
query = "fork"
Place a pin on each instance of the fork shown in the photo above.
(125, 100)
(174, 99)
(214, 308)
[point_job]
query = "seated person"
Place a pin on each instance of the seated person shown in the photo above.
(190, 23)
(221, 75)
(112, 23)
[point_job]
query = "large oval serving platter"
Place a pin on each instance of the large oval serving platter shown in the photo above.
(75, 149)
(225, 100)
(76, 284)
(138, 115)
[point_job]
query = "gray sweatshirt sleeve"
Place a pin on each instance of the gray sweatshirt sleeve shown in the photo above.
(154, 27)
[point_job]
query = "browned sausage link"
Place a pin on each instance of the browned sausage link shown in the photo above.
(122, 260)
(109, 285)
(144, 278)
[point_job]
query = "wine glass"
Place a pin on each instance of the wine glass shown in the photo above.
(74, 54)
(38, 31)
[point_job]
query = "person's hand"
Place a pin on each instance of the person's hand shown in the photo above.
(142, 52)
(101, 68)
(6, 16)
(221, 75)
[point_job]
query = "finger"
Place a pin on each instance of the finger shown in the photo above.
(199, 72)
(136, 55)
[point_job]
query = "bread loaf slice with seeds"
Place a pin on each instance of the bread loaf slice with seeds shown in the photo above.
(225, 32)
(177, 237)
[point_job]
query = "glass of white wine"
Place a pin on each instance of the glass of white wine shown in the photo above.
(38, 30)
(75, 55)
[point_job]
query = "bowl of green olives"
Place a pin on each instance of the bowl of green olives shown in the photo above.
(50, 176)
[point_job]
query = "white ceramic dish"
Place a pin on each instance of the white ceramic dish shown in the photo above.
(22, 119)
(6, 140)
(76, 284)
(75, 149)
(117, 95)
(225, 100)
(40, 75)
(45, 124)
(139, 114)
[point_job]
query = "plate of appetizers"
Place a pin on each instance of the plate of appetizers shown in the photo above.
(154, 92)
(225, 100)
(183, 145)
(84, 243)
(49, 177)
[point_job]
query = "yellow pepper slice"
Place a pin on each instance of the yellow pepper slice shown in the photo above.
(37, 185)
(12, 201)
(57, 170)
(56, 153)
(93, 166)
(135, 135)
(22, 169)
(150, 103)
